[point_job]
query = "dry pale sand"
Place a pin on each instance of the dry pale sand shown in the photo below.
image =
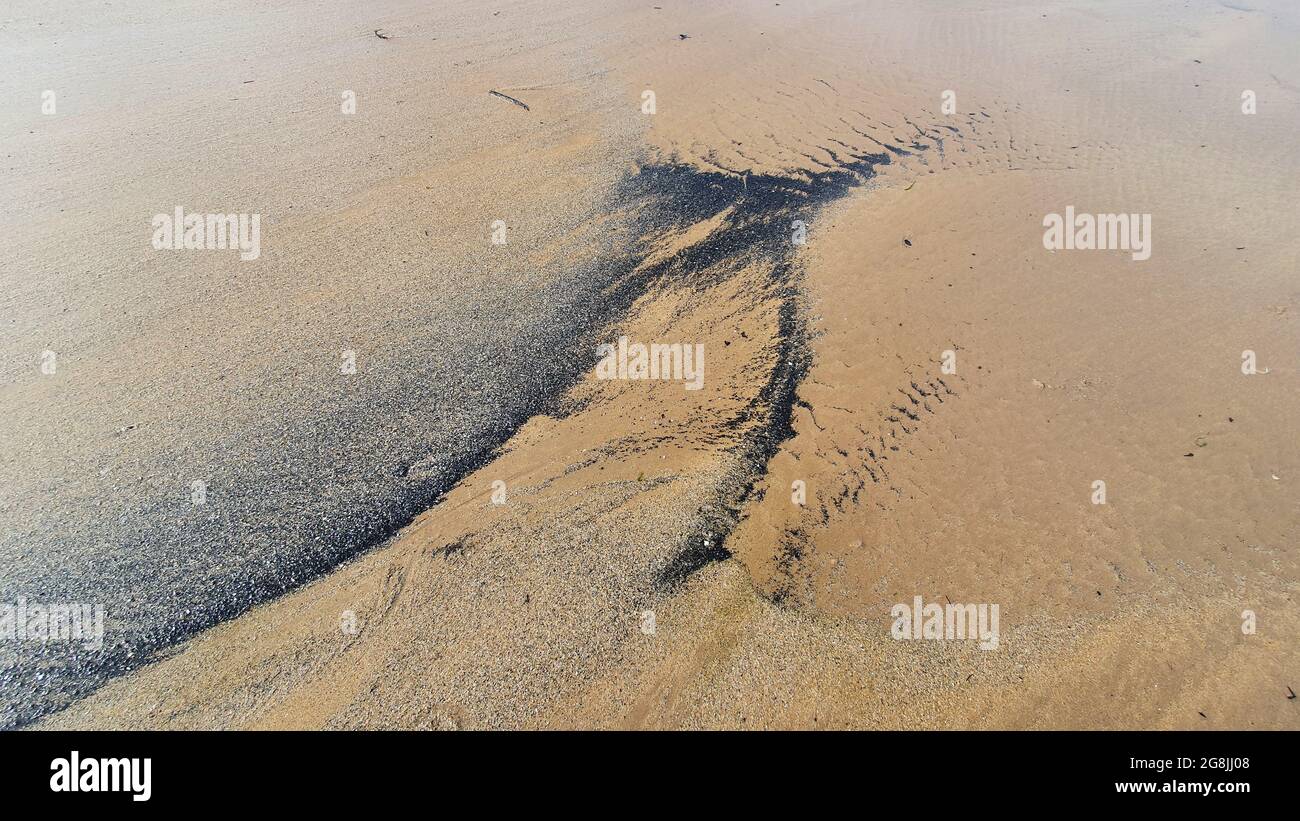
(824, 366)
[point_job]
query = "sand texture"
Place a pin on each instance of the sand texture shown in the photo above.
(905, 393)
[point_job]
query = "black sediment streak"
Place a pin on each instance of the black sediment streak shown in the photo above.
(293, 546)
(759, 227)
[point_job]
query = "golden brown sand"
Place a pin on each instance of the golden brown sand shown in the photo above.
(974, 486)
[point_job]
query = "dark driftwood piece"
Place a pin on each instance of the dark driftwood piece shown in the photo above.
(519, 103)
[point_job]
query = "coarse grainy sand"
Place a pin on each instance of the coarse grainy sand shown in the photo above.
(905, 393)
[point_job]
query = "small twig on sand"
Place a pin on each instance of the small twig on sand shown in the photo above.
(519, 103)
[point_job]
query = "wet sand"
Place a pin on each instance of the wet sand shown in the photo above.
(824, 364)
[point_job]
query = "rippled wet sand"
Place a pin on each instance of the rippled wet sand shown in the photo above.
(823, 366)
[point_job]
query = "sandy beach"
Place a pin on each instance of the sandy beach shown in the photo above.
(401, 469)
